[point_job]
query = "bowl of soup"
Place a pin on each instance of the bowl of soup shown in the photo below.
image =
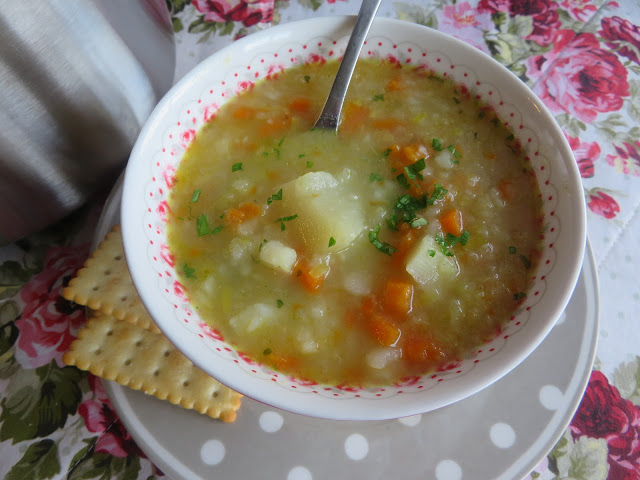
(394, 267)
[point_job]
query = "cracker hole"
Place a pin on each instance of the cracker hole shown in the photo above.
(95, 289)
(127, 362)
(98, 351)
(215, 394)
(156, 373)
(138, 343)
(117, 257)
(185, 383)
(123, 299)
(166, 354)
(109, 333)
(107, 272)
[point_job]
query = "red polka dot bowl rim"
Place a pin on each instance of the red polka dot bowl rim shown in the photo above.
(192, 101)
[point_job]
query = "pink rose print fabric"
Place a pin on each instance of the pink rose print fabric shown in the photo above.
(602, 204)
(603, 413)
(466, 23)
(99, 417)
(49, 323)
(248, 12)
(580, 78)
(585, 153)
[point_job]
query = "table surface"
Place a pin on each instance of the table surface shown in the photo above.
(581, 58)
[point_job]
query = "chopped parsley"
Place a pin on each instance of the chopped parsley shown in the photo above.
(236, 166)
(189, 272)
(455, 99)
(449, 241)
(392, 222)
(216, 230)
(519, 296)
(384, 247)
(195, 196)
(302, 155)
(307, 78)
(481, 115)
(402, 180)
(413, 170)
(262, 244)
(432, 253)
(202, 225)
(267, 351)
(285, 219)
(387, 152)
(332, 241)
(379, 97)
(275, 196)
(435, 143)
(279, 303)
(453, 151)
(512, 250)
(375, 177)
(418, 222)
(309, 164)
(526, 262)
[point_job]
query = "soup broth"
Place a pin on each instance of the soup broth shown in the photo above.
(389, 250)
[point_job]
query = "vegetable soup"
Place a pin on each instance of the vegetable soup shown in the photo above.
(389, 250)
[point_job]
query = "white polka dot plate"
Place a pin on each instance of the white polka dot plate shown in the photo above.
(501, 432)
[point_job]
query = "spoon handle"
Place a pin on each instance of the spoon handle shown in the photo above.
(330, 114)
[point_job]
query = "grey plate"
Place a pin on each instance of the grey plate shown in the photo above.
(501, 432)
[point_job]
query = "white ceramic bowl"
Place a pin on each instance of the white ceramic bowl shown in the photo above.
(192, 101)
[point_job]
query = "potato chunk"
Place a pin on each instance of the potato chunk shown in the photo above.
(278, 256)
(325, 209)
(430, 270)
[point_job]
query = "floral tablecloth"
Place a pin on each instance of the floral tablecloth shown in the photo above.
(581, 57)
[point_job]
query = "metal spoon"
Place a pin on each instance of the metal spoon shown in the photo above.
(328, 119)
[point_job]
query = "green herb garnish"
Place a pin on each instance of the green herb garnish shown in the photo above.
(384, 247)
(195, 196)
(275, 196)
(392, 222)
(375, 177)
(202, 225)
(309, 164)
(217, 230)
(512, 250)
(432, 253)
(526, 262)
(435, 143)
(418, 222)
(279, 303)
(267, 351)
(285, 219)
(307, 78)
(402, 180)
(387, 152)
(379, 97)
(519, 296)
(236, 166)
(413, 170)
(188, 271)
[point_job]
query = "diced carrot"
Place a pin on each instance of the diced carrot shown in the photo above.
(398, 297)
(275, 125)
(507, 190)
(282, 362)
(354, 117)
(451, 222)
(244, 113)
(408, 237)
(414, 152)
(388, 124)
(300, 105)
(421, 349)
(383, 330)
(490, 155)
(368, 305)
(305, 274)
(395, 84)
(242, 213)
